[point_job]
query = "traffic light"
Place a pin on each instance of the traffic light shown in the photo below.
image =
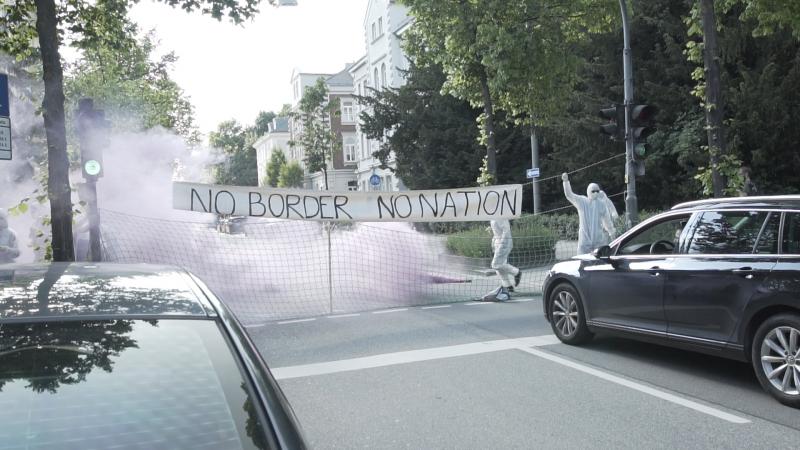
(641, 127)
(616, 122)
(93, 135)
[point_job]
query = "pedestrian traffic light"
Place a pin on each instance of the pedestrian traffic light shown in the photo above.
(93, 136)
(641, 127)
(616, 122)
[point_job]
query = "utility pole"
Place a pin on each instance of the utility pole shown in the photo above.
(631, 203)
(535, 164)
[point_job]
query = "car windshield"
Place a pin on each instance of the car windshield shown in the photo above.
(121, 383)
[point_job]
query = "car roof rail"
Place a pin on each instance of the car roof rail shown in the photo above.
(733, 200)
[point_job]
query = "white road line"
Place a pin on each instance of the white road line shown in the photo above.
(638, 387)
(387, 311)
(479, 303)
(296, 321)
(436, 307)
(521, 300)
(390, 359)
(339, 316)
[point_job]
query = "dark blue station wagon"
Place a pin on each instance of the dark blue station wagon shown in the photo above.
(719, 276)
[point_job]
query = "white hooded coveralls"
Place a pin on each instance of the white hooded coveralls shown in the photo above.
(9, 251)
(596, 227)
(502, 245)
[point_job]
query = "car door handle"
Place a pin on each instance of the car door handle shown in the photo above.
(746, 272)
(654, 271)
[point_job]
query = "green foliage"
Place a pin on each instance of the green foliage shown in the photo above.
(432, 136)
(317, 138)
(291, 175)
(533, 245)
(135, 91)
(239, 167)
(277, 161)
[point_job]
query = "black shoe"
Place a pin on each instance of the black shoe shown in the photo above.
(510, 288)
(517, 278)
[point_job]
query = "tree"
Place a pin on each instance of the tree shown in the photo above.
(29, 19)
(261, 125)
(277, 161)
(317, 138)
(291, 175)
(135, 91)
(508, 55)
(240, 166)
(432, 135)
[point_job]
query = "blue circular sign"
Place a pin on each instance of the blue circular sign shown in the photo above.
(375, 180)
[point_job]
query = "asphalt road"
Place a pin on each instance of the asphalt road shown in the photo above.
(478, 375)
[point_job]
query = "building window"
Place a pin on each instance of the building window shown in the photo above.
(380, 26)
(383, 76)
(349, 150)
(377, 85)
(374, 35)
(348, 114)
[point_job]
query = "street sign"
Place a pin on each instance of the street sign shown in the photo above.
(375, 180)
(5, 121)
(533, 173)
(5, 109)
(92, 167)
(5, 138)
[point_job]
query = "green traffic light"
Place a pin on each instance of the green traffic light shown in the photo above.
(640, 150)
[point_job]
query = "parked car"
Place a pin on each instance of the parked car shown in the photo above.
(124, 356)
(719, 276)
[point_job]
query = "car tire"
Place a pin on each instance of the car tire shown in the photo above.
(567, 315)
(775, 352)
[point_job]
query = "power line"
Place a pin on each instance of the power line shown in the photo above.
(576, 170)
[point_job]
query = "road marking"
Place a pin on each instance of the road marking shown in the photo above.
(637, 386)
(339, 316)
(296, 321)
(387, 311)
(436, 307)
(521, 300)
(390, 359)
(479, 303)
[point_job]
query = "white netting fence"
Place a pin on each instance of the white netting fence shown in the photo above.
(269, 270)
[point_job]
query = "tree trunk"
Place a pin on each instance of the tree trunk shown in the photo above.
(58, 189)
(488, 124)
(715, 108)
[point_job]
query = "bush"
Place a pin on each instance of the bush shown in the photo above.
(533, 245)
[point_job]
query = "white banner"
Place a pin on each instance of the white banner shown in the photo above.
(467, 204)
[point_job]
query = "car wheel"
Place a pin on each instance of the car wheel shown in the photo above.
(566, 315)
(776, 357)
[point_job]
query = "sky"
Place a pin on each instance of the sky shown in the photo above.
(233, 72)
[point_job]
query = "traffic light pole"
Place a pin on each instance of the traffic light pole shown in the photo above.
(631, 207)
(535, 163)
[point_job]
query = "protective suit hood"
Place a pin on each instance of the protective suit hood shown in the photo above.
(592, 191)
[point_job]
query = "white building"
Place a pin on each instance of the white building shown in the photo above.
(380, 68)
(277, 137)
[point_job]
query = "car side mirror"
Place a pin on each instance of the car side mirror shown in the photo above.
(603, 253)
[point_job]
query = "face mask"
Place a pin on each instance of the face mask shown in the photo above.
(593, 191)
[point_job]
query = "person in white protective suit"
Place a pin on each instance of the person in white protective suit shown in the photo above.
(612, 211)
(509, 275)
(9, 251)
(596, 226)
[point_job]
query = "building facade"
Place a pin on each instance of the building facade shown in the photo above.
(276, 138)
(382, 67)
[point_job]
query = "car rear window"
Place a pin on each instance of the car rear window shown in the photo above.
(123, 384)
